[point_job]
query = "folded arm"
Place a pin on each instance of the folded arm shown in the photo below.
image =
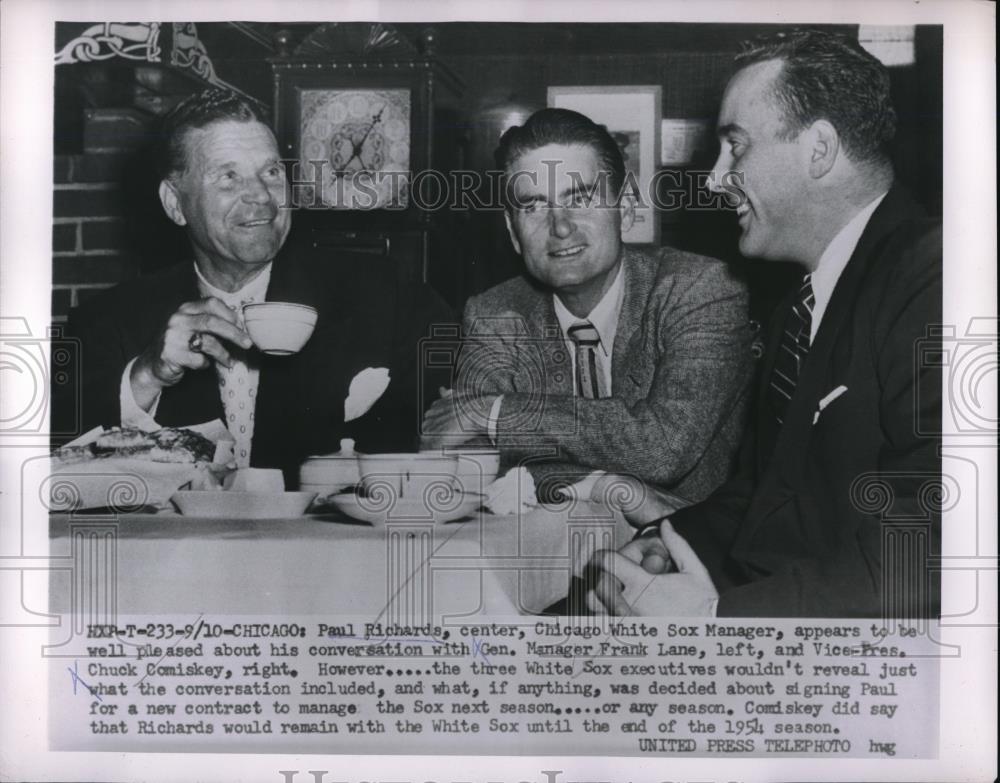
(702, 358)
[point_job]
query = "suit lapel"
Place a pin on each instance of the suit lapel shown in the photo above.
(543, 326)
(290, 282)
(639, 273)
(793, 437)
(767, 425)
(293, 407)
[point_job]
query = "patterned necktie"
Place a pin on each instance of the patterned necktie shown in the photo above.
(588, 376)
(238, 389)
(792, 350)
(238, 384)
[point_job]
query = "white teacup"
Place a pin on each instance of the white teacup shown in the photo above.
(255, 480)
(408, 476)
(279, 328)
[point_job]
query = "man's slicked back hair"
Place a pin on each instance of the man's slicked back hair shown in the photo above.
(828, 76)
(563, 126)
(198, 111)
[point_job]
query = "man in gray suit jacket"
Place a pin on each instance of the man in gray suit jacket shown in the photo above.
(604, 356)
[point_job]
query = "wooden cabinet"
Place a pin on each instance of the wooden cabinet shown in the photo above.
(371, 140)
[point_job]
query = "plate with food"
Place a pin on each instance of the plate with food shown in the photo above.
(122, 468)
(171, 445)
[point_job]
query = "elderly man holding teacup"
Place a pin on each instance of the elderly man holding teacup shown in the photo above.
(291, 347)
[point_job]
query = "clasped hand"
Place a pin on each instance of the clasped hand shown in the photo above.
(652, 575)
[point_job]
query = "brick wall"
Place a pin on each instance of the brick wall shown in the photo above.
(106, 225)
(87, 246)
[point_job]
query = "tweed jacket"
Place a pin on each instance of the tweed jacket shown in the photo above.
(680, 371)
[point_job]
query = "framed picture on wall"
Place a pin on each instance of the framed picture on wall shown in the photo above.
(632, 115)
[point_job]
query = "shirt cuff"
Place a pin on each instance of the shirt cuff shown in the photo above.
(132, 415)
(650, 530)
(491, 422)
(713, 608)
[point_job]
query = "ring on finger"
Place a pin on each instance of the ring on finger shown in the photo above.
(195, 342)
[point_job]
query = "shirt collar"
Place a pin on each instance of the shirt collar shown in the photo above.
(604, 316)
(835, 257)
(254, 291)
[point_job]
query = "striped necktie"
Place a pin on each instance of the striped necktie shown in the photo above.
(792, 350)
(588, 375)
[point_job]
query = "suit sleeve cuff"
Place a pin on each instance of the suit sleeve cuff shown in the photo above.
(652, 528)
(131, 414)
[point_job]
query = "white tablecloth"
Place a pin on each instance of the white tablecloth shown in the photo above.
(410, 571)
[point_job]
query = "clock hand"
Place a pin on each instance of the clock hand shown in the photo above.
(360, 144)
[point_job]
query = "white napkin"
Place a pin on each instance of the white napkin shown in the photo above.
(218, 433)
(366, 388)
(514, 492)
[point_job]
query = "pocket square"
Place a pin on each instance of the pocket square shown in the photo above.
(366, 388)
(827, 400)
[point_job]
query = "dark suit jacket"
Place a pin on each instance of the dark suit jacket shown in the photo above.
(364, 321)
(830, 517)
(680, 372)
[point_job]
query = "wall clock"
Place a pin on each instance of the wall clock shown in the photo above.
(360, 139)
(372, 119)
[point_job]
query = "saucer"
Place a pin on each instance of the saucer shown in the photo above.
(233, 504)
(406, 509)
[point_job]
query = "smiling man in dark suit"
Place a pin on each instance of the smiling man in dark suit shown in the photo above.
(170, 349)
(842, 401)
(603, 356)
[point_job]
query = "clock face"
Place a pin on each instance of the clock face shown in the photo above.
(361, 139)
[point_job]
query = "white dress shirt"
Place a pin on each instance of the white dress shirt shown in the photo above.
(834, 260)
(134, 416)
(604, 318)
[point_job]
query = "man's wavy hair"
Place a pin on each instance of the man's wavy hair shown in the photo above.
(563, 126)
(198, 111)
(831, 77)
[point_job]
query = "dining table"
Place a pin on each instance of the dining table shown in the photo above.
(410, 569)
(155, 602)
